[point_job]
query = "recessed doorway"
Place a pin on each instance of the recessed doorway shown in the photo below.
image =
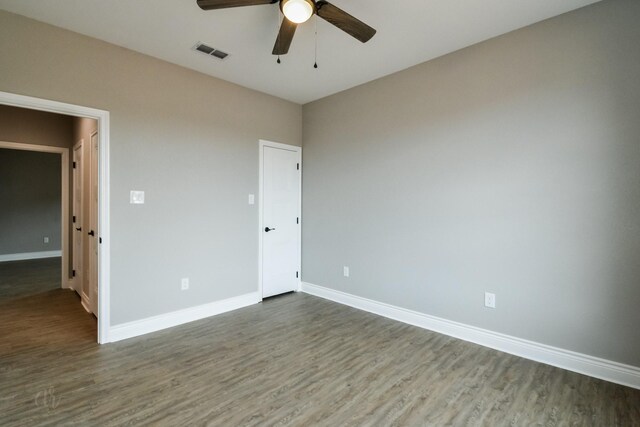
(84, 220)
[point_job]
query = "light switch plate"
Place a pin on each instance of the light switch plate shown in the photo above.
(345, 271)
(252, 199)
(136, 197)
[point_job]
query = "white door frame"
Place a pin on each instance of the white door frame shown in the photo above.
(65, 282)
(261, 144)
(93, 216)
(104, 259)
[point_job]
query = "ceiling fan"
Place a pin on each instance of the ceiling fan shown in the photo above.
(299, 11)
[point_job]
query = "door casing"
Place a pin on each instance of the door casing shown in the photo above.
(66, 281)
(94, 246)
(104, 259)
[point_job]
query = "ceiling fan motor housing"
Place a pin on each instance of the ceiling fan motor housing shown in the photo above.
(309, 5)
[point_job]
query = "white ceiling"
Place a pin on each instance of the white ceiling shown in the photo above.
(409, 32)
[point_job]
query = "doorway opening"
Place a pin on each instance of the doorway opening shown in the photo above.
(34, 196)
(81, 243)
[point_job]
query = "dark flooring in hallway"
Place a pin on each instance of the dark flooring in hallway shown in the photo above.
(31, 277)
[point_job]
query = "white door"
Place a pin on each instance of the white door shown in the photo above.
(77, 217)
(93, 224)
(280, 218)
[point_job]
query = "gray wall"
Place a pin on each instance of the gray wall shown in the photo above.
(38, 128)
(189, 140)
(30, 198)
(512, 166)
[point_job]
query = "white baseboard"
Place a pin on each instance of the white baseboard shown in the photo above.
(30, 255)
(175, 318)
(584, 364)
(85, 302)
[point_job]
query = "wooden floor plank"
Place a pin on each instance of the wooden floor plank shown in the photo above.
(296, 360)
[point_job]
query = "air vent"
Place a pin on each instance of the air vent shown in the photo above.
(210, 51)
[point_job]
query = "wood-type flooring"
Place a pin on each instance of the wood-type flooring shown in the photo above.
(295, 360)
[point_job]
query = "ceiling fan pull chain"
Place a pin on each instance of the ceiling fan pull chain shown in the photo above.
(315, 63)
(278, 23)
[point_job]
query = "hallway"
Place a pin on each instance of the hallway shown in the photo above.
(35, 311)
(20, 279)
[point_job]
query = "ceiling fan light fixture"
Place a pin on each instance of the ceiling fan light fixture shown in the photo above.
(298, 11)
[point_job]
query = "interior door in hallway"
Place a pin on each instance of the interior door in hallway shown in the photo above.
(77, 217)
(280, 227)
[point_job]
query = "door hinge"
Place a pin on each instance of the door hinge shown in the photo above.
(74, 218)
(296, 274)
(297, 166)
(99, 239)
(74, 165)
(73, 273)
(297, 220)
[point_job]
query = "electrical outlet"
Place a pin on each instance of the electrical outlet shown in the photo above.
(345, 271)
(489, 300)
(46, 240)
(185, 284)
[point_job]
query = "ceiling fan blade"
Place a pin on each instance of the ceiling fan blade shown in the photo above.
(344, 21)
(285, 36)
(224, 4)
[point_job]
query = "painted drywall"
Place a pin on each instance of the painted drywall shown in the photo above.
(512, 166)
(188, 140)
(30, 197)
(37, 128)
(34, 127)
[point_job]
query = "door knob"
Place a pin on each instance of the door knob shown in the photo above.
(79, 229)
(91, 233)
(267, 229)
